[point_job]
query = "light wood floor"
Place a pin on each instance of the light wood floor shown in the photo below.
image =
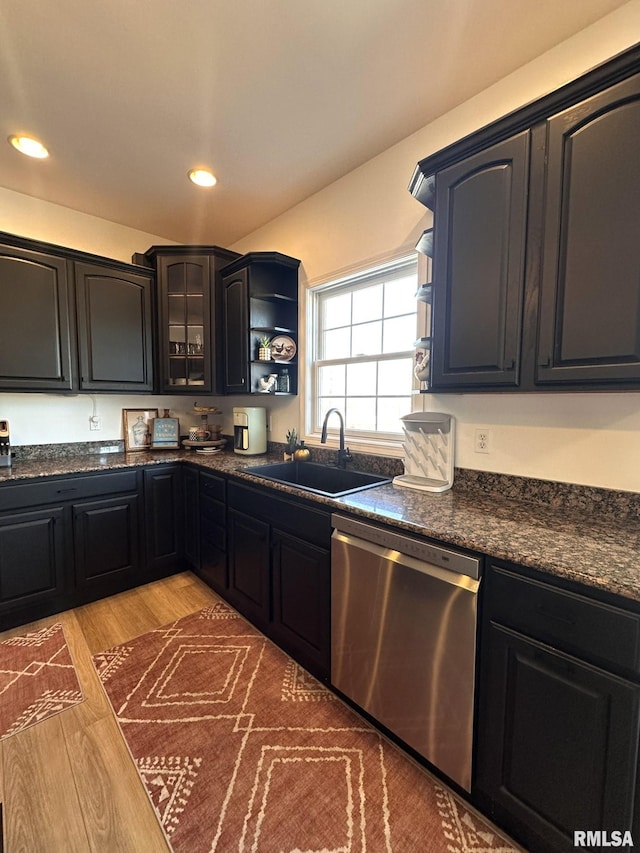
(68, 783)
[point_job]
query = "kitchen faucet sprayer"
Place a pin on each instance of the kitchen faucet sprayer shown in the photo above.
(344, 454)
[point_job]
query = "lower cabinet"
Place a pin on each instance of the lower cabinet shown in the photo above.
(213, 531)
(301, 574)
(32, 558)
(68, 540)
(164, 518)
(106, 536)
(558, 713)
(279, 571)
(250, 567)
(190, 485)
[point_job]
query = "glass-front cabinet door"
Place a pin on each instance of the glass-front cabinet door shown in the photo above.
(187, 300)
(189, 345)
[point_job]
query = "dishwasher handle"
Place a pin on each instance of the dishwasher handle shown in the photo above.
(419, 549)
(341, 542)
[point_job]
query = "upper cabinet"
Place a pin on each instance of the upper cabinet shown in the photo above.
(478, 267)
(73, 322)
(115, 323)
(590, 294)
(37, 321)
(260, 303)
(190, 356)
(536, 260)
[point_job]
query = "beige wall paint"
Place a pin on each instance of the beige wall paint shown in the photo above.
(368, 215)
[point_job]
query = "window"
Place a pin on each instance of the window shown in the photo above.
(361, 334)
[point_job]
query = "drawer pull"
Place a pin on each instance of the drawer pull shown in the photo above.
(555, 616)
(64, 491)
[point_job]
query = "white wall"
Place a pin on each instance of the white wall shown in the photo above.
(592, 439)
(367, 216)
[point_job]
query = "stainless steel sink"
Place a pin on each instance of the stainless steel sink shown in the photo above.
(320, 479)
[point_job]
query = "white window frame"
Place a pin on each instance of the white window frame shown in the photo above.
(363, 441)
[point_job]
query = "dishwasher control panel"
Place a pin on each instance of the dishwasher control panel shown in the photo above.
(416, 548)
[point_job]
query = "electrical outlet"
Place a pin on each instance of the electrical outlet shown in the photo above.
(95, 423)
(482, 441)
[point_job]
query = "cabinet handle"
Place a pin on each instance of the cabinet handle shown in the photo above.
(63, 491)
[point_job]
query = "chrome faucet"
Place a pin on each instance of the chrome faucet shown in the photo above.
(344, 454)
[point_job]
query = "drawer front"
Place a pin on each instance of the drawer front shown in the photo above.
(67, 488)
(212, 487)
(587, 628)
(211, 510)
(290, 515)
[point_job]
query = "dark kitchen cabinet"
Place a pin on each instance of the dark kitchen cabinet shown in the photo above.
(115, 329)
(478, 267)
(213, 531)
(106, 535)
(190, 483)
(259, 299)
(249, 567)
(558, 713)
(301, 591)
(73, 321)
(38, 350)
(68, 540)
(189, 303)
(590, 280)
(164, 518)
(536, 257)
(279, 571)
(32, 558)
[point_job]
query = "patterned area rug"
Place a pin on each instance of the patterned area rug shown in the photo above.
(242, 750)
(37, 679)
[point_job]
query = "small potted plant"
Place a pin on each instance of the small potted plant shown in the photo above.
(292, 444)
(264, 349)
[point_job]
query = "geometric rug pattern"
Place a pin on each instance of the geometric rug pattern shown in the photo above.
(37, 679)
(240, 749)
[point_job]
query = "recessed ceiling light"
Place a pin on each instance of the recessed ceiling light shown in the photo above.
(202, 177)
(29, 146)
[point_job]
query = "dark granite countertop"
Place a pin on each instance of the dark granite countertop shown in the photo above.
(575, 544)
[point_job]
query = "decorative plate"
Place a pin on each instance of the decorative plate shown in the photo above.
(283, 348)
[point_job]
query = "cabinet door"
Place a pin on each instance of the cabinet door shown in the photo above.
(191, 518)
(164, 514)
(236, 332)
(249, 566)
(186, 357)
(114, 329)
(36, 352)
(213, 532)
(557, 742)
(301, 601)
(590, 300)
(106, 537)
(32, 557)
(478, 267)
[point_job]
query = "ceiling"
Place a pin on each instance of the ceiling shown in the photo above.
(278, 97)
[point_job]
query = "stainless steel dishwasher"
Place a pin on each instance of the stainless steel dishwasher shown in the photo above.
(403, 638)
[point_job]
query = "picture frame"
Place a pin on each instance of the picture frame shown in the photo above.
(136, 427)
(165, 433)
